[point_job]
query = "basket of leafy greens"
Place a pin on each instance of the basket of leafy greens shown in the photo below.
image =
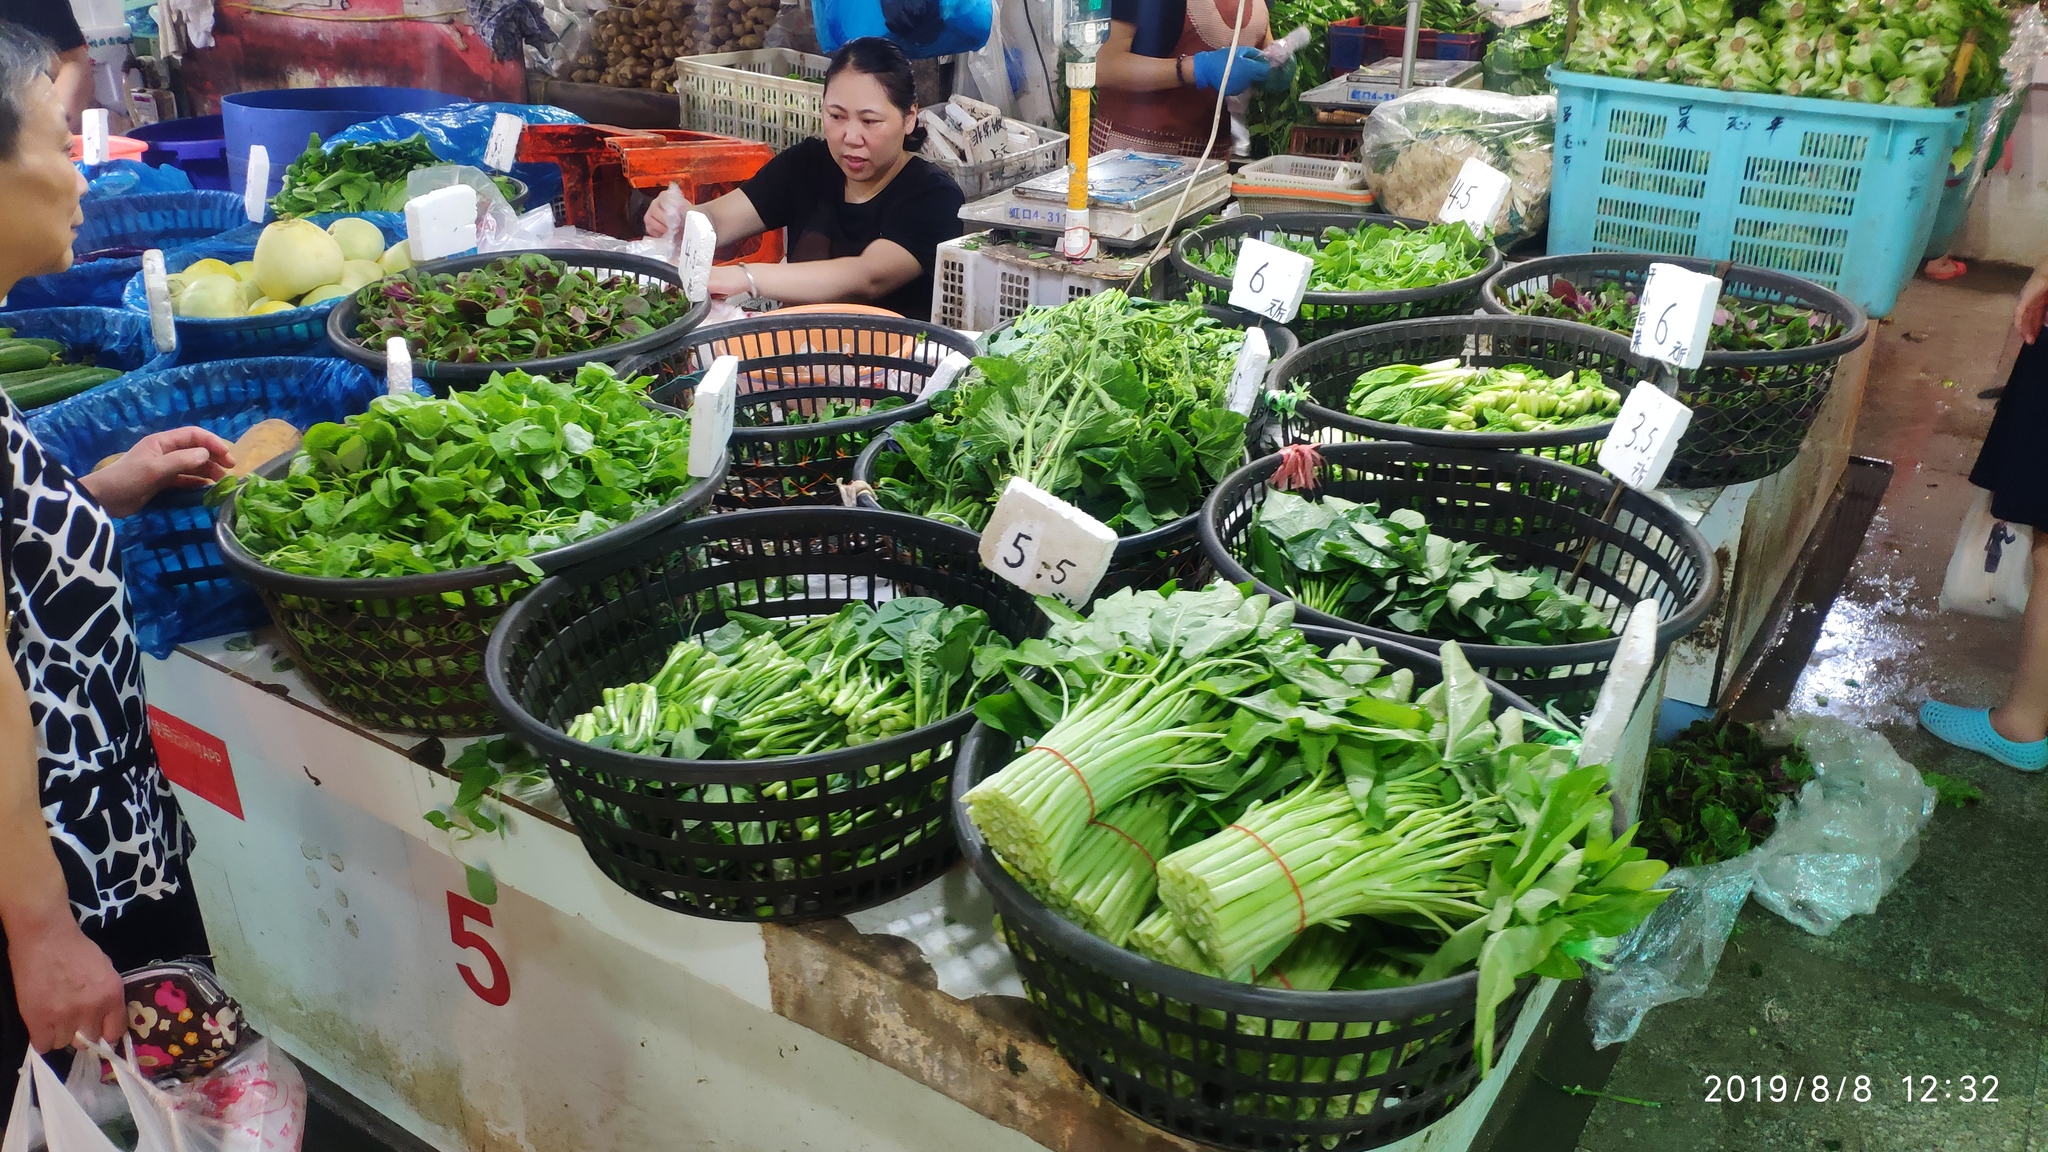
(1247, 870)
(754, 716)
(1774, 346)
(388, 546)
(1520, 559)
(365, 177)
(1367, 269)
(1536, 386)
(550, 311)
(814, 389)
(1114, 404)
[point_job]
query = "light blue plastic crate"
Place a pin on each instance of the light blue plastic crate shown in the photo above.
(1839, 193)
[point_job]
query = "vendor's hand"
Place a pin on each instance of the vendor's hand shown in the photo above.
(1249, 68)
(65, 985)
(181, 458)
(728, 280)
(2033, 303)
(666, 213)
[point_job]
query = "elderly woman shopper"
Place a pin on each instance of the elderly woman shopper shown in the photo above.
(93, 878)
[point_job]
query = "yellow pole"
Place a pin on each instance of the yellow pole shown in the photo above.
(1077, 242)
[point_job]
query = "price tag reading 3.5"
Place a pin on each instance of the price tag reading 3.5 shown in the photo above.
(1645, 435)
(1675, 315)
(1269, 280)
(1045, 545)
(1476, 196)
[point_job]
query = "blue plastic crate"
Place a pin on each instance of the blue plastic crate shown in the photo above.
(177, 586)
(292, 332)
(1839, 193)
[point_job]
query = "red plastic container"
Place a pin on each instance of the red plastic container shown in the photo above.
(1353, 44)
(602, 166)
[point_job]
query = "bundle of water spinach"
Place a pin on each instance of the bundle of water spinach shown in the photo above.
(1297, 818)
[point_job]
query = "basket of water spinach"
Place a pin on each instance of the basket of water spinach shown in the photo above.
(1775, 344)
(1531, 565)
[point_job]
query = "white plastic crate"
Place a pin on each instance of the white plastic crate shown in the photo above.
(751, 95)
(979, 284)
(993, 176)
(1300, 184)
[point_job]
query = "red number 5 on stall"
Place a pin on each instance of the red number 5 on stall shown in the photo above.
(461, 910)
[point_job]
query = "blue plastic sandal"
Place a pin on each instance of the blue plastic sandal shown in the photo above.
(1971, 728)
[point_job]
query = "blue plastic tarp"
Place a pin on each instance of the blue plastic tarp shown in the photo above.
(458, 133)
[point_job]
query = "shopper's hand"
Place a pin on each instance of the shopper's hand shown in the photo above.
(2033, 302)
(1247, 69)
(65, 985)
(666, 213)
(187, 457)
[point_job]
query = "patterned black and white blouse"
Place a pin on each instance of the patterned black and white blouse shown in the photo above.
(113, 820)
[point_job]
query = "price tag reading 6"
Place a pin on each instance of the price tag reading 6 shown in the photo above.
(1675, 315)
(1645, 435)
(1269, 280)
(1045, 545)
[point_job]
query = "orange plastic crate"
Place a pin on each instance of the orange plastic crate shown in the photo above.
(602, 166)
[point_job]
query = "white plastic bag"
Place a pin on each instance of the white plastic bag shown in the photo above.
(256, 1102)
(1992, 566)
(55, 1118)
(1835, 853)
(1415, 145)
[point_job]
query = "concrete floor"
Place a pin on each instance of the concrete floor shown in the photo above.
(1950, 977)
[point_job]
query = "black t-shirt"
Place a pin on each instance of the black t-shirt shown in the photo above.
(1158, 24)
(50, 19)
(804, 190)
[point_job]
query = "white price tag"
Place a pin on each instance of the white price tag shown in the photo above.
(700, 242)
(93, 127)
(1045, 545)
(441, 223)
(503, 146)
(711, 415)
(1675, 315)
(156, 285)
(942, 377)
(1645, 435)
(397, 367)
(1476, 196)
(1250, 378)
(256, 184)
(1269, 280)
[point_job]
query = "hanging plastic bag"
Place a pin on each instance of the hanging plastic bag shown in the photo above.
(922, 28)
(458, 133)
(1836, 852)
(1992, 565)
(1416, 144)
(125, 177)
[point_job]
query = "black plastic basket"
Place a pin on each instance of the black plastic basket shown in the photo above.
(1536, 515)
(406, 653)
(1168, 552)
(789, 366)
(710, 838)
(1750, 410)
(1230, 1064)
(1325, 370)
(1328, 313)
(445, 374)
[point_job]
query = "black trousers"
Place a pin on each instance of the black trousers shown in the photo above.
(2010, 463)
(146, 933)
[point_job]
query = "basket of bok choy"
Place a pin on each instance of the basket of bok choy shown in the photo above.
(1116, 405)
(1531, 565)
(754, 716)
(1367, 269)
(1770, 361)
(1267, 885)
(1536, 386)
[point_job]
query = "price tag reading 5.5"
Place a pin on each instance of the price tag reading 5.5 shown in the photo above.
(1476, 196)
(1675, 315)
(1269, 280)
(1045, 545)
(1645, 435)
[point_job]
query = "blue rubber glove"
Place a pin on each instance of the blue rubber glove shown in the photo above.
(1249, 68)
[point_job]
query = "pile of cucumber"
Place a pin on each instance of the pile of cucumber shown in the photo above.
(34, 372)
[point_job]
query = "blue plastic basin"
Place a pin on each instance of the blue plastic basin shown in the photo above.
(196, 145)
(282, 119)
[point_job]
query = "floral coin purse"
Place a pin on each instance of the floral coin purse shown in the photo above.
(182, 1022)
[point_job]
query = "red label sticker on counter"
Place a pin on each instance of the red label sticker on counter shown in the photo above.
(195, 760)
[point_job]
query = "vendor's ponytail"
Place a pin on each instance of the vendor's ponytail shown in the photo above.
(883, 60)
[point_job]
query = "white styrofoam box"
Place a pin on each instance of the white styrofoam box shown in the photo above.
(973, 291)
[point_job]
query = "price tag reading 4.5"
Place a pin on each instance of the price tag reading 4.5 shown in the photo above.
(1269, 280)
(1045, 545)
(711, 415)
(1645, 435)
(1476, 196)
(1676, 315)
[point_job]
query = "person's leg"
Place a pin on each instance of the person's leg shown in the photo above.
(2024, 716)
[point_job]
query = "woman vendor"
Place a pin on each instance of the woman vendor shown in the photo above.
(1157, 77)
(865, 214)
